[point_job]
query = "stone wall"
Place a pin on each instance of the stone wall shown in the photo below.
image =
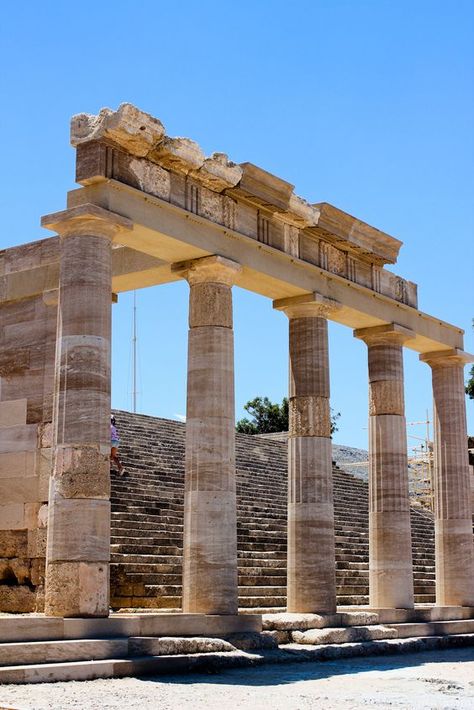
(27, 347)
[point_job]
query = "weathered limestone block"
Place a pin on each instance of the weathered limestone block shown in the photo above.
(151, 178)
(280, 637)
(13, 413)
(309, 369)
(336, 260)
(81, 588)
(361, 237)
(263, 188)
(14, 543)
(19, 490)
(42, 516)
(79, 530)
(363, 274)
(311, 578)
(284, 621)
(291, 240)
(15, 568)
(44, 468)
(390, 564)
(386, 397)
(18, 438)
(182, 155)
(212, 305)
(134, 130)
(97, 161)
(252, 640)
(308, 456)
(310, 416)
(210, 449)
(218, 173)
(18, 516)
(19, 464)
(81, 472)
(37, 571)
(301, 213)
(245, 219)
(206, 203)
(171, 646)
(309, 249)
(344, 635)
(37, 542)
(15, 599)
(178, 189)
(210, 543)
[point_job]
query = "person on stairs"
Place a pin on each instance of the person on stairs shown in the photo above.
(114, 444)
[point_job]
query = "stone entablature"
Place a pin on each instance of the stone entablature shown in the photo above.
(131, 147)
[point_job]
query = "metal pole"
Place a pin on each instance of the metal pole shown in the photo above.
(134, 357)
(430, 459)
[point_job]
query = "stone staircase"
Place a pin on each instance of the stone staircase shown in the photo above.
(41, 649)
(147, 523)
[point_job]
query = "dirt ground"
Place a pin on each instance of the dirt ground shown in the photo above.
(433, 680)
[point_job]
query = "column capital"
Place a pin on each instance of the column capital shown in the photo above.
(386, 334)
(208, 269)
(308, 305)
(454, 357)
(87, 219)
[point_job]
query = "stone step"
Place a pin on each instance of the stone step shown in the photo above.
(123, 667)
(128, 548)
(345, 634)
(262, 601)
(352, 599)
(33, 652)
(434, 628)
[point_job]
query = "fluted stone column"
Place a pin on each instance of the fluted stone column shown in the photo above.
(311, 541)
(78, 547)
(210, 518)
(390, 552)
(453, 514)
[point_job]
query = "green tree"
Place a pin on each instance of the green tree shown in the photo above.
(268, 418)
(470, 382)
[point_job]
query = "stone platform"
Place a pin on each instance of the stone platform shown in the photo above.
(37, 627)
(38, 649)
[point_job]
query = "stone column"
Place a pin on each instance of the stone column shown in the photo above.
(453, 514)
(311, 541)
(78, 547)
(210, 583)
(390, 552)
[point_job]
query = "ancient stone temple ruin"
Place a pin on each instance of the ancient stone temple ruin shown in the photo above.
(153, 209)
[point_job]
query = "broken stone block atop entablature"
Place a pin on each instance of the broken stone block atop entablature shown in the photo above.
(138, 135)
(264, 188)
(130, 147)
(218, 173)
(128, 127)
(181, 155)
(352, 234)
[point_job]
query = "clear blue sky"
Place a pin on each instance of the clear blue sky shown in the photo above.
(367, 104)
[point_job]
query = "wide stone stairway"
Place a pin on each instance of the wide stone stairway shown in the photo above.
(147, 523)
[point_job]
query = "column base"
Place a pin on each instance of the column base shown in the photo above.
(77, 589)
(454, 563)
(390, 561)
